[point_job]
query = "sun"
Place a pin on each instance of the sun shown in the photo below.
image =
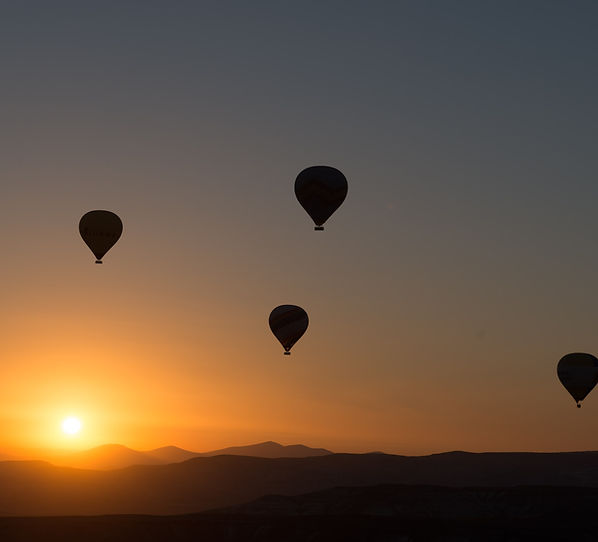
(71, 425)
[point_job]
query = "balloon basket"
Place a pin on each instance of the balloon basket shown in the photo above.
(319, 228)
(287, 353)
(99, 261)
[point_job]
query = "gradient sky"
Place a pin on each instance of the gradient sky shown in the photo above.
(460, 268)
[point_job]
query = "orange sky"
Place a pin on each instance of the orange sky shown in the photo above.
(441, 295)
(147, 362)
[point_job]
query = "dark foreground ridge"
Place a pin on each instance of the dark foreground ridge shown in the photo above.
(206, 483)
(372, 514)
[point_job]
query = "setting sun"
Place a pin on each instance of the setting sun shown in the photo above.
(71, 425)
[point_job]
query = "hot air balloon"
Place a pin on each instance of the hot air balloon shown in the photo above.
(288, 323)
(320, 191)
(100, 231)
(578, 372)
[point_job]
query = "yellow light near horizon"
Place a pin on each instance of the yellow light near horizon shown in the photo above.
(71, 425)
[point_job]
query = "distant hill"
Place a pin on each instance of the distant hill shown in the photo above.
(115, 456)
(170, 454)
(203, 483)
(108, 456)
(269, 449)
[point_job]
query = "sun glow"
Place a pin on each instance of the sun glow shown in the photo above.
(71, 425)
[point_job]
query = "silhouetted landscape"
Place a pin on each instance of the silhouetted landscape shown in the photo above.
(380, 513)
(115, 456)
(37, 488)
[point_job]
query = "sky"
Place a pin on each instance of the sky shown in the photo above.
(441, 294)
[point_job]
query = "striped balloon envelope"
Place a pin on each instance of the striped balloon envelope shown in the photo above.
(288, 323)
(320, 190)
(578, 373)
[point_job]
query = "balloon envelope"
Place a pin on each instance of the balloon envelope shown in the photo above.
(288, 323)
(320, 191)
(578, 372)
(100, 231)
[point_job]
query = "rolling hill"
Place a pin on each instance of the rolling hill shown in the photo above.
(203, 483)
(375, 514)
(116, 456)
(105, 457)
(269, 449)
(170, 454)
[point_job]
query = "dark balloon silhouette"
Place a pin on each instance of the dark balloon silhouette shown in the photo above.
(320, 191)
(100, 231)
(288, 323)
(578, 372)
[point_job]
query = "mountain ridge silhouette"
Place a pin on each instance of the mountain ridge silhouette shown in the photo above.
(115, 456)
(206, 483)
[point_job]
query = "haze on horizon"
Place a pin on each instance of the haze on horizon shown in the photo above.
(441, 295)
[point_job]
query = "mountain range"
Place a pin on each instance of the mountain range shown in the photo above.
(116, 456)
(35, 488)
